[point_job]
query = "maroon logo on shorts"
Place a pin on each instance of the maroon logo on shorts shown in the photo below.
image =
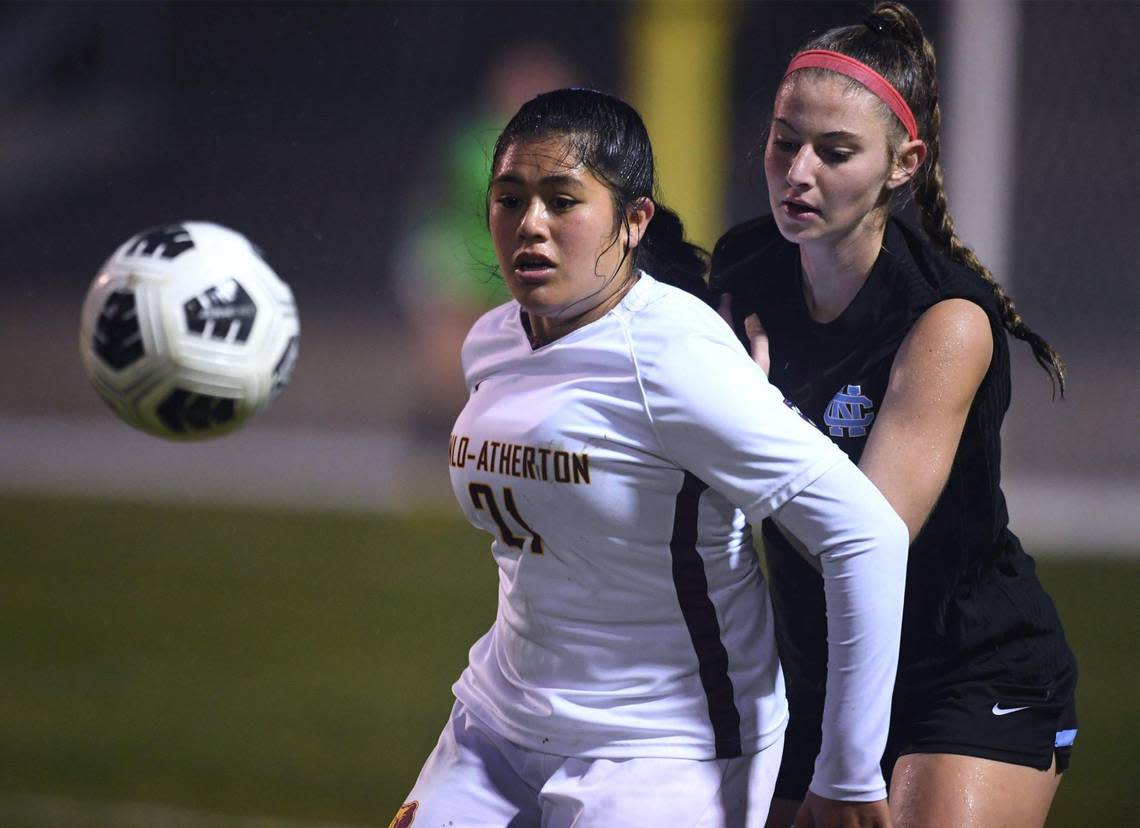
(405, 816)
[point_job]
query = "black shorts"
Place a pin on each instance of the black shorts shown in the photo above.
(1030, 726)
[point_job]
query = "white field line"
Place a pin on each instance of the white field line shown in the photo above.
(377, 471)
(26, 811)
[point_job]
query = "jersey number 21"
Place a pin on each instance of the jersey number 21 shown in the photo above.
(483, 496)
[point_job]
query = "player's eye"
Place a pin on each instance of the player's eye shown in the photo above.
(784, 145)
(563, 202)
(833, 156)
(508, 201)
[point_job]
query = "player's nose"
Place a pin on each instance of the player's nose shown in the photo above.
(533, 223)
(801, 172)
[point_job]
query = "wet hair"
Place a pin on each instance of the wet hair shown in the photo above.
(606, 136)
(891, 41)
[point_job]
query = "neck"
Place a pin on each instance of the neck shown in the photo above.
(547, 329)
(834, 271)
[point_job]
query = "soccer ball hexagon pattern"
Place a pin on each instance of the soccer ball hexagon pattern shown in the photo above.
(187, 332)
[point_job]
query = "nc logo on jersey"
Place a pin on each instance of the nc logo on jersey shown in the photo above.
(845, 416)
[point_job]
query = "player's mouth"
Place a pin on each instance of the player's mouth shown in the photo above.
(533, 266)
(798, 210)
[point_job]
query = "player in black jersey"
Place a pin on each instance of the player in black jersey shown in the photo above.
(892, 340)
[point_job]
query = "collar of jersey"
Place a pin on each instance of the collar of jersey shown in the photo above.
(634, 297)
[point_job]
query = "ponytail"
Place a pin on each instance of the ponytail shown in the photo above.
(930, 195)
(668, 257)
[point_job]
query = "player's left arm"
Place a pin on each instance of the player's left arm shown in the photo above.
(934, 378)
(757, 336)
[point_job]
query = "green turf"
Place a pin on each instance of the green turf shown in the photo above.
(299, 665)
(241, 662)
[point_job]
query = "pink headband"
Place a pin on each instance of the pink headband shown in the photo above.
(876, 83)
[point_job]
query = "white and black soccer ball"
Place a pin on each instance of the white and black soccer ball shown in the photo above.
(187, 332)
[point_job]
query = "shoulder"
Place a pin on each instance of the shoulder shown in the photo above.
(739, 252)
(492, 323)
(493, 334)
(660, 312)
(669, 330)
(937, 277)
(957, 322)
(684, 356)
(951, 342)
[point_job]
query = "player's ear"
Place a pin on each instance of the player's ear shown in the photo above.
(639, 214)
(907, 162)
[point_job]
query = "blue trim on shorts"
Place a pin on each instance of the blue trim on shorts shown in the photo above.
(1065, 738)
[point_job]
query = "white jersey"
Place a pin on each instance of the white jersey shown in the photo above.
(608, 466)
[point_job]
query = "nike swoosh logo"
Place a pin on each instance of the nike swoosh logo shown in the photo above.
(1005, 711)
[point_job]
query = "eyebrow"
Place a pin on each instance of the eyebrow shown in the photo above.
(555, 180)
(835, 133)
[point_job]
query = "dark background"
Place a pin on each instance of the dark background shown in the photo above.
(314, 128)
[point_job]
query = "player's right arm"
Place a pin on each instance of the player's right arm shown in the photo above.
(720, 419)
(934, 379)
(861, 544)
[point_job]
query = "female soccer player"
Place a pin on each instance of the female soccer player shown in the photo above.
(615, 438)
(892, 340)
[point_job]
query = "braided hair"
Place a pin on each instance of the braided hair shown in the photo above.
(891, 41)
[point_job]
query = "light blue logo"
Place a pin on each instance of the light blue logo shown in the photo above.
(845, 413)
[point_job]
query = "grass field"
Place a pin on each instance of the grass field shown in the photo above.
(299, 665)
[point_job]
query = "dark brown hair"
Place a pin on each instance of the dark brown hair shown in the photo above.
(607, 136)
(891, 41)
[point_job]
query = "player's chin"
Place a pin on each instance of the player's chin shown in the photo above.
(538, 308)
(537, 299)
(797, 232)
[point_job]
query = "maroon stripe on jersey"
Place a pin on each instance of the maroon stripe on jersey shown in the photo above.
(700, 616)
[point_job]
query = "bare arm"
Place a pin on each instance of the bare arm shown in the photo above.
(935, 376)
(757, 336)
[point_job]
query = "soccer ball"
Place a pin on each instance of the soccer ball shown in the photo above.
(186, 332)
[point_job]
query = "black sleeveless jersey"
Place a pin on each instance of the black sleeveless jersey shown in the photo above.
(974, 607)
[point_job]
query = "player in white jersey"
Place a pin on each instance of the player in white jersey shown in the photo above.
(616, 443)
